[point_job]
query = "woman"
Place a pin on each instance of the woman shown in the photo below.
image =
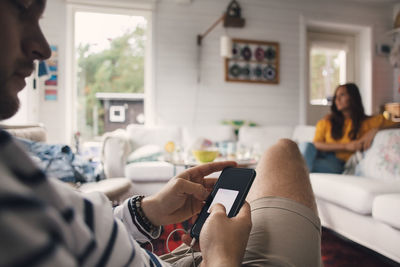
(345, 130)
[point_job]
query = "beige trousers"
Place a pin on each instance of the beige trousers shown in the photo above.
(284, 233)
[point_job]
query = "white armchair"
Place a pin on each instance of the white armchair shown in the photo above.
(116, 148)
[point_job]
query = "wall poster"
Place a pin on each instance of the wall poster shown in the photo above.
(51, 85)
(253, 62)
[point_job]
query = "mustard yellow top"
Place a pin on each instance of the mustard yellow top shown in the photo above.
(323, 132)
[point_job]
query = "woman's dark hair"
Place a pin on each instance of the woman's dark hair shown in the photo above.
(357, 113)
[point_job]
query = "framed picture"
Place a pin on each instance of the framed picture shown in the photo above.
(253, 62)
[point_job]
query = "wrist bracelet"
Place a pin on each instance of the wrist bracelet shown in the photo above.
(136, 204)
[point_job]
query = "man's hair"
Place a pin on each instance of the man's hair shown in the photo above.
(357, 113)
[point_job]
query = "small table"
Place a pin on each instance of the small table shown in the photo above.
(247, 163)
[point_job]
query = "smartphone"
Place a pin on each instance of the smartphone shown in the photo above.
(230, 190)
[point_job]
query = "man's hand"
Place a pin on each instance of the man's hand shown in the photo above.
(368, 138)
(223, 240)
(183, 196)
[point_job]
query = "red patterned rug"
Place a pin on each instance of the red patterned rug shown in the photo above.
(159, 245)
(336, 251)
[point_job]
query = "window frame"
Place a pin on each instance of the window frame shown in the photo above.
(71, 64)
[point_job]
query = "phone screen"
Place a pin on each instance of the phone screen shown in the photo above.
(225, 197)
(230, 190)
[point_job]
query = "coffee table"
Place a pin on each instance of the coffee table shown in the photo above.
(245, 163)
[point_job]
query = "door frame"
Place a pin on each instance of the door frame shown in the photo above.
(363, 60)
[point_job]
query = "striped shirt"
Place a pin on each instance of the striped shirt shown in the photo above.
(44, 222)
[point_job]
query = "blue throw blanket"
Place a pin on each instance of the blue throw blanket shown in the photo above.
(58, 161)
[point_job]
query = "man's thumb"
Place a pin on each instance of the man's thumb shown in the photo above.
(217, 208)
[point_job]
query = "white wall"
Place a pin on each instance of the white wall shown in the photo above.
(272, 20)
(53, 113)
(179, 99)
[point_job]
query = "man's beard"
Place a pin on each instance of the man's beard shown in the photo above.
(9, 104)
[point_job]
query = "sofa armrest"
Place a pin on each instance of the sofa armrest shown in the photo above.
(35, 132)
(116, 148)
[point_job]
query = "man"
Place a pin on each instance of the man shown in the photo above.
(45, 223)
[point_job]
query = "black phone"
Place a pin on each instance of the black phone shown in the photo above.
(230, 190)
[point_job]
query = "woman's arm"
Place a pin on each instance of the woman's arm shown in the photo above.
(320, 140)
(351, 146)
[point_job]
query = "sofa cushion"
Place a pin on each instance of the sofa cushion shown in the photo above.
(215, 133)
(303, 133)
(263, 137)
(352, 192)
(152, 171)
(141, 135)
(145, 153)
(386, 208)
(382, 160)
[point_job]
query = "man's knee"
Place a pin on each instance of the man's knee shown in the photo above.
(285, 146)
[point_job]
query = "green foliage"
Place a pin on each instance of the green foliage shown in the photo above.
(239, 123)
(120, 68)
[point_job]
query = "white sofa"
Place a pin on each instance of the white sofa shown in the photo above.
(364, 209)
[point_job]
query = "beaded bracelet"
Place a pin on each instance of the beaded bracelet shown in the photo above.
(136, 204)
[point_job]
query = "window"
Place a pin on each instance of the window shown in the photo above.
(331, 62)
(327, 71)
(110, 54)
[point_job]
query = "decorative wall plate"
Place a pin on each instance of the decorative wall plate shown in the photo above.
(269, 73)
(270, 53)
(235, 51)
(246, 71)
(234, 70)
(258, 71)
(246, 53)
(259, 54)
